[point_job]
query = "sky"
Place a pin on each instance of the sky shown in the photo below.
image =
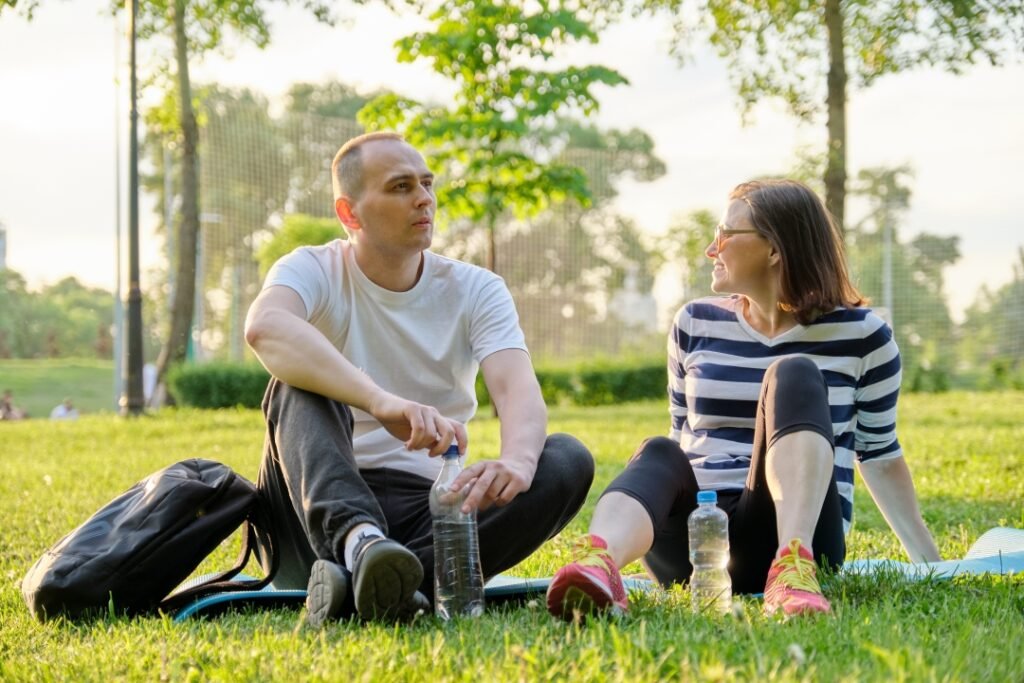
(63, 123)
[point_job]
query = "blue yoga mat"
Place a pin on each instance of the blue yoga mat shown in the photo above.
(997, 551)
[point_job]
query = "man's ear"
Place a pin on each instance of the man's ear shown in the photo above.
(343, 208)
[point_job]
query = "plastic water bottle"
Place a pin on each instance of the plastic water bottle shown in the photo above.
(710, 583)
(458, 577)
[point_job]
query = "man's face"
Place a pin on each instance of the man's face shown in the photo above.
(395, 210)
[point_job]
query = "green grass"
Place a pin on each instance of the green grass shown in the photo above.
(965, 451)
(39, 385)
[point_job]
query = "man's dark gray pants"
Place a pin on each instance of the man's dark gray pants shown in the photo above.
(316, 494)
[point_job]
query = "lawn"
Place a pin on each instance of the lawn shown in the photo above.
(39, 385)
(966, 452)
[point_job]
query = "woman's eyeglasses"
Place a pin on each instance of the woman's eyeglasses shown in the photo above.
(721, 232)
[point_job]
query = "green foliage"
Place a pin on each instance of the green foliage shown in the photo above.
(297, 230)
(226, 385)
(993, 332)
(808, 53)
(595, 382)
(496, 147)
(319, 118)
(883, 628)
(26, 7)
(218, 384)
(578, 273)
(253, 166)
(610, 382)
(60, 320)
(683, 244)
(331, 99)
(780, 49)
(920, 315)
(189, 29)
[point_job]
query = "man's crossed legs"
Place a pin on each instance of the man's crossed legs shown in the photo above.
(317, 496)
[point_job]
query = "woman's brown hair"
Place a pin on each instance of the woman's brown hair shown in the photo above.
(792, 217)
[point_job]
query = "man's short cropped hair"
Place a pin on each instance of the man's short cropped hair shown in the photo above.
(347, 167)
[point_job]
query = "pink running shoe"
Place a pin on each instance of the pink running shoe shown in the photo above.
(588, 586)
(793, 583)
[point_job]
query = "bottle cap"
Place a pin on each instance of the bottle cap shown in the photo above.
(453, 450)
(707, 497)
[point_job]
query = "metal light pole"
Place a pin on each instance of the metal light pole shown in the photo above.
(118, 301)
(133, 400)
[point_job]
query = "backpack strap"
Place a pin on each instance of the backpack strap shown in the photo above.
(223, 582)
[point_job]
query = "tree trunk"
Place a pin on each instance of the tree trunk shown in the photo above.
(188, 230)
(835, 171)
(492, 256)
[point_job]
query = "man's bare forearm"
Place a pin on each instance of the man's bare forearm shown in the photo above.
(296, 353)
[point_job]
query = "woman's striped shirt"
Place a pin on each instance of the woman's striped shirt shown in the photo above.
(716, 362)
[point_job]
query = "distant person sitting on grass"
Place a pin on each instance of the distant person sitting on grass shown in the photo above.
(775, 392)
(65, 410)
(9, 411)
(374, 345)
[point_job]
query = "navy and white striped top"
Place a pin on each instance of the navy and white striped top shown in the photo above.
(716, 362)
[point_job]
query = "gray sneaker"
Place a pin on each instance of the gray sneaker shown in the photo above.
(325, 595)
(385, 579)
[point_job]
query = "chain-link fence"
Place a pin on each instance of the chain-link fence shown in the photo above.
(583, 279)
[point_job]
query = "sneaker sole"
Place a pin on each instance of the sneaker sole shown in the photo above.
(581, 596)
(389, 575)
(326, 592)
(797, 611)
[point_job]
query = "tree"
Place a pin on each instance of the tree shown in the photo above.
(65, 319)
(683, 246)
(297, 230)
(905, 277)
(318, 119)
(496, 147)
(810, 53)
(258, 170)
(580, 276)
(194, 27)
(15, 306)
(992, 334)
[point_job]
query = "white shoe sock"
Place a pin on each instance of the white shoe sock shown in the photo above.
(354, 536)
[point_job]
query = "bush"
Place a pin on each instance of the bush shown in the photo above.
(604, 382)
(594, 383)
(218, 385)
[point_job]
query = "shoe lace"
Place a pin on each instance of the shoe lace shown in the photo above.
(797, 571)
(590, 555)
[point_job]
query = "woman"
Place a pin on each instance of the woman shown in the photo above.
(774, 393)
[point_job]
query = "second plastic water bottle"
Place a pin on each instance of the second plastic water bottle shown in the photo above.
(710, 583)
(458, 577)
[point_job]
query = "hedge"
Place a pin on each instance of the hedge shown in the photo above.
(597, 382)
(600, 382)
(218, 384)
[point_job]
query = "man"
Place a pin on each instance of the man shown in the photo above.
(9, 411)
(65, 410)
(374, 345)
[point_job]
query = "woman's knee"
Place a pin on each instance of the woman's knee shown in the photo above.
(793, 368)
(791, 374)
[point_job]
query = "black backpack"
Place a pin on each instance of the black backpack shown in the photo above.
(135, 550)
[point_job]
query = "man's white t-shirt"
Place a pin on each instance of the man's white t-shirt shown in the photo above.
(423, 345)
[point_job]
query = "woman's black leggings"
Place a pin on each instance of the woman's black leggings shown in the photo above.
(794, 397)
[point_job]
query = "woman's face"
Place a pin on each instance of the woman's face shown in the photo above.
(743, 259)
